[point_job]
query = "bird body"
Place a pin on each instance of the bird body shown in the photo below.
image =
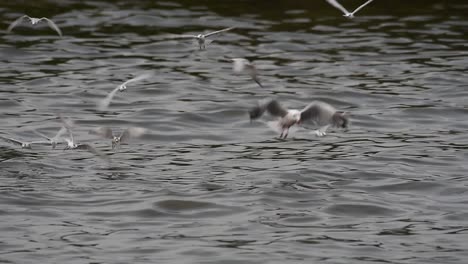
(317, 112)
(23, 144)
(124, 137)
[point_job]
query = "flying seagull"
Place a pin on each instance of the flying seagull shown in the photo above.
(125, 136)
(104, 103)
(23, 144)
(346, 12)
(201, 38)
(34, 21)
(240, 65)
(319, 113)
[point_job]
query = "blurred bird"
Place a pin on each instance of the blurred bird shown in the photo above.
(104, 103)
(23, 144)
(240, 65)
(319, 113)
(346, 12)
(201, 38)
(124, 137)
(34, 21)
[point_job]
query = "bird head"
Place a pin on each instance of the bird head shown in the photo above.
(341, 119)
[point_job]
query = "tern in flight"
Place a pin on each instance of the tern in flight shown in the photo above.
(34, 21)
(317, 112)
(201, 38)
(124, 137)
(23, 144)
(346, 12)
(104, 103)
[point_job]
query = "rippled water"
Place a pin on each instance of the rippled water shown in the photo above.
(207, 186)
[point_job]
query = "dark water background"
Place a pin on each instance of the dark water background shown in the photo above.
(207, 186)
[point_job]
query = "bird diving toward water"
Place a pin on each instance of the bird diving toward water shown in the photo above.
(344, 10)
(201, 38)
(317, 112)
(34, 21)
(124, 137)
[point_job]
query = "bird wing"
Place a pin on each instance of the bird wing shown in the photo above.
(60, 133)
(238, 65)
(138, 78)
(94, 151)
(359, 8)
(175, 36)
(42, 135)
(39, 142)
(52, 25)
(131, 132)
(275, 109)
(104, 132)
(104, 103)
(16, 22)
(11, 140)
(68, 124)
(272, 106)
(338, 6)
(219, 31)
(317, 112)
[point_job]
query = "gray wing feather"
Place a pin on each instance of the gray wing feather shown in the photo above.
(11, 140)
(131, 132)
(104, 132)
(338, 6)
(219, 31)
(104, 103)
(363, 5)
(52, 25)
(273, 107)
(16, 22)
(318, 112)
(94, 151)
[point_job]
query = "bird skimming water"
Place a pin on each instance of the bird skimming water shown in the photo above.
(201, 38)
(125, 136)
(319, 113)
(34, 21)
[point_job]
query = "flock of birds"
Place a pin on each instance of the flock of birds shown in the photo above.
(318, 113)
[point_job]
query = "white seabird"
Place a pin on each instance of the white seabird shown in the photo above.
(317, 112)
(23, 144)
(344, 10)
(104, 103)
(34, 21)
(201, 38)
(125, 136)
